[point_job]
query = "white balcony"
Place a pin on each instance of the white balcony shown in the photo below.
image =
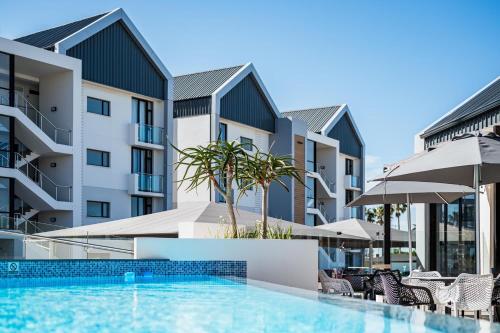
(146, 136)
(146, 185)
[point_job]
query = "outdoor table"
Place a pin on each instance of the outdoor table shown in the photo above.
(446, 279)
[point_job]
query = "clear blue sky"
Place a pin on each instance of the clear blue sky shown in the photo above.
(399, 65)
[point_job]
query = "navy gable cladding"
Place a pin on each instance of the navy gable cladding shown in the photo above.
(113, 57)
(344, 132)
(246, 104)
(192, 107)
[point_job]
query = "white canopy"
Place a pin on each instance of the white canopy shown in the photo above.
(365, 230)
(167, 223)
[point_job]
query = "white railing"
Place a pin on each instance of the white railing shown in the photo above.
(58, 135)
(58, 192)
(321, 171)
(322, 210)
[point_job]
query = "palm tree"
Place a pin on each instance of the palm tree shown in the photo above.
(370, 215)
(261, 170)
(398, 210)
(220, 164)
(379, 215)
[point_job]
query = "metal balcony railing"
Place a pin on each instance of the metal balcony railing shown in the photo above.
(58, 135)
(58, 192)
(150, 183)
(150, 134)
(322, 172)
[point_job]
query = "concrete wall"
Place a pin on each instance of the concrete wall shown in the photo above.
(292, 263)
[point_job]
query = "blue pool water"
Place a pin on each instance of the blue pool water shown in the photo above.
(200, 304)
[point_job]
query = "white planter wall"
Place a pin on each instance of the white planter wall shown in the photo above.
(292, 263)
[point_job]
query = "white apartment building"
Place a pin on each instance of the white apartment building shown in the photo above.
(230, 104)
(84, 112)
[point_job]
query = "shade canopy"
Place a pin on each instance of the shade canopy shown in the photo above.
(166, 223)
(366, 230)
(452, 162)
(396, 192)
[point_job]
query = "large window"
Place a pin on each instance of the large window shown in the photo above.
(141, 205)
(455, 242)
(4, 202)
(142, 161)
(4, 78)
(4, 141)
(98, 209)
(97, 157)
(311, 155)
(246, 143)
(222, 132)
(349, 166)
(142, 111)
(349, 196)
(310, 220)
(98, 106)
(311, 192)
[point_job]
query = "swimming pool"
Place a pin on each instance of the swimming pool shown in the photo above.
(202, 304)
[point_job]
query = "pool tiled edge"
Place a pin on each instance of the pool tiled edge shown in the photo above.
(107, 268)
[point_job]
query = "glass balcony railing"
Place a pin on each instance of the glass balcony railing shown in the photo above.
(150, 183)
(356, 212)
(150, 134)
(356, 181)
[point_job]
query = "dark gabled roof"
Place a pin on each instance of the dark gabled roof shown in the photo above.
(317, 118)
(201, 84)
(485, 100)
(46, 39)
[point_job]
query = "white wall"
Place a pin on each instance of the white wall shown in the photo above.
(190, 132)
(292, 263)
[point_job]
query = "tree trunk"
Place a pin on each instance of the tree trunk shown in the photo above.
(229, 201)
(399, 225)
(264, 211)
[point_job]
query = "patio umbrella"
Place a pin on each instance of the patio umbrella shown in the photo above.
(398, 192)
(471, 160)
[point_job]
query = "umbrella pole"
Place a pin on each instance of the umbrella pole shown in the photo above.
(410, 251)
(370, 253)
(477, 206)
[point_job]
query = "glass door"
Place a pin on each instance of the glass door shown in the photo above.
(142, 161)
(142, 112)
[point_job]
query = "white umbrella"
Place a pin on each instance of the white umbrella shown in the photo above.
(466, 160)
(394, 192)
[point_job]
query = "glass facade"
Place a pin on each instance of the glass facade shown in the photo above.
(455, 248)
(310, 220)
(4, 141)
(4, 202)
(311, 192)
(4, 78)
(311, 156)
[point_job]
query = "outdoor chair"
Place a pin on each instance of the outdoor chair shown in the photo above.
(401, 294)
(357, 282)
(335, 286)
(374, 286)
(469, 292)
(413, 280)
(495, 297)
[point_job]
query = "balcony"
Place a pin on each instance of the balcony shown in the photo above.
(353, 213)
(146, 185)
(321, 174)
(353, 182)
(147, 136)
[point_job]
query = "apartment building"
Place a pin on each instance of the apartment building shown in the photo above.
(445, 234)
(326, 143)
(228, 104)
(85, 112)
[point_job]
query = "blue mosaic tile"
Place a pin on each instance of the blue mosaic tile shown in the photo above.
(36, 269)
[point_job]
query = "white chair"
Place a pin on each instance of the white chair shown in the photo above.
(469, 292)
(335, 286)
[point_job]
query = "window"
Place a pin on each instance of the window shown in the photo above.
(141, 205)
(311, 192)
(5, 138)
(246, 143)
(349, 166)
(222, 132)
(349, 196)
(97, 209)
(311, 155)
(142, 161)
(97, 106)
(142, 112)
(310, 220)
(97, 157)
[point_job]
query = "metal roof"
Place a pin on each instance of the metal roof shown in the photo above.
(201, 84)
(317, 118)
(46, 39)
(484, 100)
